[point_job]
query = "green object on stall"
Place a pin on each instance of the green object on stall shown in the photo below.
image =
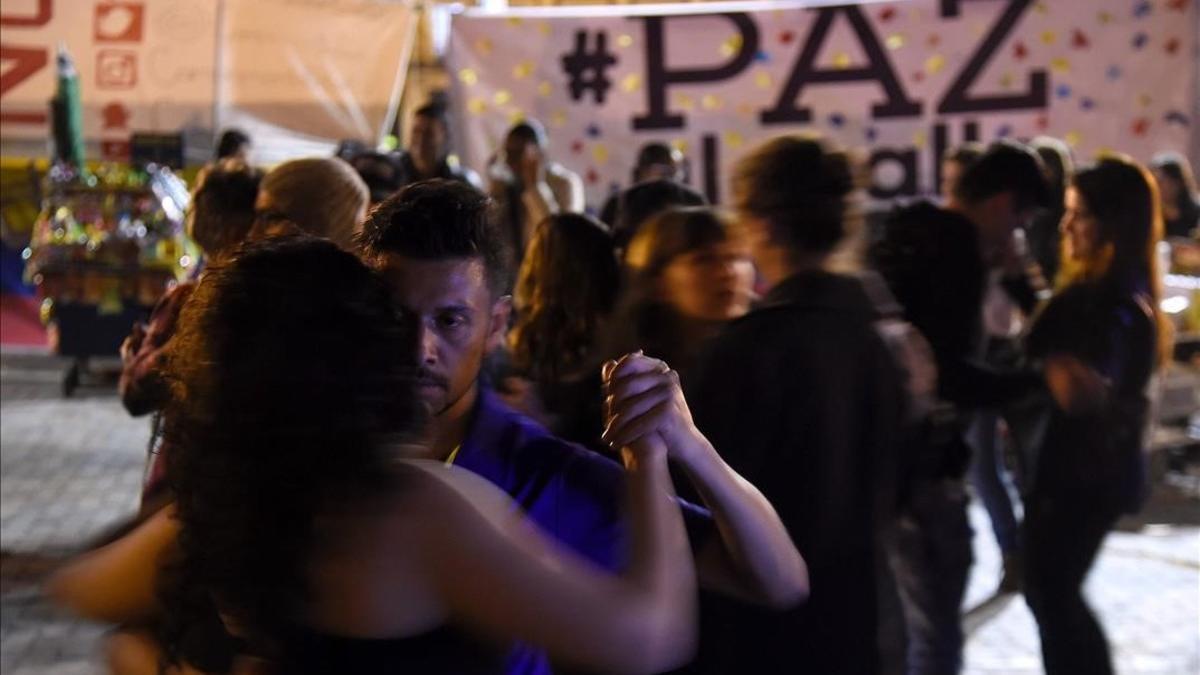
(67, 109)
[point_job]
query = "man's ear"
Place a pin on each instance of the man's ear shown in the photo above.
(498, 330)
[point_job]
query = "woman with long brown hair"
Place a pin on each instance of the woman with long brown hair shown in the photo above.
(1099, 340)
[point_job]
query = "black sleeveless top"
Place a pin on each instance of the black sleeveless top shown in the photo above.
(445, 649)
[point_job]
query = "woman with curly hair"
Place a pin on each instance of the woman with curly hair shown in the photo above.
(307, 522)
(1099, 341)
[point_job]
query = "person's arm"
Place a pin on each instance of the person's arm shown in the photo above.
(753, 557)
(498, 574)
(117, 583)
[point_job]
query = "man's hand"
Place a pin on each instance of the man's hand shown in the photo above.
(532, 167)
(643, 398)
(1076, 387)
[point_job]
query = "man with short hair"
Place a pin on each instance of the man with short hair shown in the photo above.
(936, 262)
(428, 154)
(448, 265)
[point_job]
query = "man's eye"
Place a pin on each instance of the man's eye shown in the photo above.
(451, 321)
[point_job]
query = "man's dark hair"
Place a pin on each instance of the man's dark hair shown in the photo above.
(439, 220)
(530, 131)
(382, 173)
(1005, 166)
(637, 204)
(230, 141)
(434, 111)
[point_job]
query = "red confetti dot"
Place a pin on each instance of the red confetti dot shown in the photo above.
(1079, 40)
(887, 14)
(787, 37)
(592, 176)
(577, 147)
(1020, 51)
(919, 76)
(1042, 122)
(1140, 126)
(934, 40)
(1172, 45)
(1178, 5)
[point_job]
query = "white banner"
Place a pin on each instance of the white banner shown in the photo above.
(299, 75)
(903, 80)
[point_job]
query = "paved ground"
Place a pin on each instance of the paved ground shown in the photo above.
(71, 468)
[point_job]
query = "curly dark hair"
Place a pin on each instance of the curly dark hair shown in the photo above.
(291, 387)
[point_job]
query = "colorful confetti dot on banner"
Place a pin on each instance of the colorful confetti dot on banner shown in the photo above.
(680, 145)
(685, 102)
(1177, 5)
(1144, 100)
(468, 76)
(593, 176)
(934, 64)
(522, 70)
(895, 41)
(558, 119)
(545, 28)
(600, 153)
(711, 102)
(1063, 91)
(1172, 46)
(593, 131)
(1049, 37)
(516, 117)
(837, 120)
(734, 139)
(1041, 8)
(1104, 18)
(919, 140)
(762, 57)
(1140, 40)
(1140, 126)
(841, 60)
(476, 106)
(1073, 138)
(577, 147)
(871, 134)
(1113, 72)
(1142, 9)
(545, 89)
(515, 21)
(483, 46)
(746, 110)
(1060, 65)
(1020, 51)
(502, 97)
(731, 45)
(787, 37)
(1086, 103)
(1004, 131)
(887, 14)
(933, 40)
(631, 82)
(1079, 39)
(1041, 122)
(1006, 81)
(1177, 117)
(624, 40)
(919, 76)
(762, 80)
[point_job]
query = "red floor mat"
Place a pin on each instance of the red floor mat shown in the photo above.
(19, 322)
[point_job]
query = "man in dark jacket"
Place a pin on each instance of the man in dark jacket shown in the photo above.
(804, 399)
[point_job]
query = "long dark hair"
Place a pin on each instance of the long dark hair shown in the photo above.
(566, 288)
(290, 384)
(1122, 196)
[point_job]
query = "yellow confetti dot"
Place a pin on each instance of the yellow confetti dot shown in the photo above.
(733, 139)
(631, 82)
(1072, 138)
(558, 118)
(1104, 17)
(680, 145)
(895, 41)
(483, 46)
(1060, 65)
(515, 21)
(685, 102)
(545, 89)
(934, 64)
(731, 46)
(544, 28)
(1145, 100)
(919, 140)
(1105, 150)
(501, 97)
(711, 102)
(1006, 80)
(1041, 8)
(476, 106)
(516, 117)
(468, 76)
(600, 153)
(841, 60)
(625, 41)
(522, 70)
(762, 80)
(1048, 37)
(746, 110)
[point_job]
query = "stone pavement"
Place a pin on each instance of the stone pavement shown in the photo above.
(70, 468)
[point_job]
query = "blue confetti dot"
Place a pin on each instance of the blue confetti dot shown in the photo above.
(1063, 91)
(593, 131)
(614, 188)
(762, 57)
(1087, 103)
(837, 120)
(1004, 131)
(1176, 117)
(1140, 40)
(872, 133)
(1142, 10)
(1113, 73)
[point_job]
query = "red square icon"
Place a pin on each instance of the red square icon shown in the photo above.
(116, 69)
(119, 21)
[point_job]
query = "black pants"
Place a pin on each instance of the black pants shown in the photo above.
(1061, 539)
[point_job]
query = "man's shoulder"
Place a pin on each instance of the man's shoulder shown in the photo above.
(530, 447)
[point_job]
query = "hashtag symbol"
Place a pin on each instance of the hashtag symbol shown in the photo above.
(587, 69)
